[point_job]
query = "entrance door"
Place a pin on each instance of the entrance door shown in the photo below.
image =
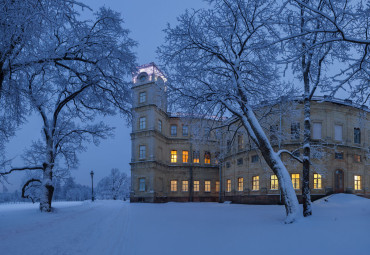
(339, 181)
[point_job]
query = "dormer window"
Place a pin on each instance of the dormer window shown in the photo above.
(142, 97)
(142, 77)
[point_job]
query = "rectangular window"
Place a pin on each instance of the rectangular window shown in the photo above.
(207, 157)
(239, 161)
(255, 183)
(338, 155)
(338, 132)
(255, 158)
(317, 181)
(185, 186)
(357, 135)
(207, 186)
(173, 185)
(196, 156)
(295, 181)
(142, 151)
(227, 164)
(173, 156)
(217, 186)
(357, 182)
(185, 156)
(141, 184)
(228, 185)
(295, 130)
(196, 186)
(142, 97)
(185, 130)
(142, 123)
(317, 126)
(274, 133)
(173, 130)
(159, 125)
(240, 142)
(357, 158)
(274, 182)
(240, 184)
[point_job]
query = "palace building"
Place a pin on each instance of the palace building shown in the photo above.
(177, 158)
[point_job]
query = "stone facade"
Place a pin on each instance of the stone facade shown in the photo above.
(173, 161)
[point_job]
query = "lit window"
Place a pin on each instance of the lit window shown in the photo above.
(255, 158)
(217, 186)
(228, 185)
(295, 130)
(255, 183)
(357, 182)
(196, 156)
(317, 181)
(159, 125)
(173, 185)
(338, 132)
(185, 186)
(142, 97)
(142, 151)
(240, 142)
(141, 184)
(173, 130)
(207, 186)
(240, 184)
(357, 158)
(185, 130)
(273, 133)
(142, 123)
(196, 186)
(295, 181)
(207, 157)
(357, 135)
(316, 130)
(173, 156)
(239, 161)
(185, 156)
(274, 182)
(338, 155)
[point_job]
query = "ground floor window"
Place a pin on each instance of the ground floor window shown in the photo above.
(295, 181)
(274, 182)
(217, 186)
(228, 185)
(196, 186)
(317, 181)
(357, 182)
(141, 184)
(173, 185)
(255, 183)
(185, 186)
(240, 184)
(207, 186)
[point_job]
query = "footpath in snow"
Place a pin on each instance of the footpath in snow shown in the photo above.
(339, 225)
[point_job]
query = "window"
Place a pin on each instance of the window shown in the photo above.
(196, 156)
(142, 151)
(338, 132)
(295, 130)
(141, 184)
(239, 161)
(357, 158)
(207, 186)
(274, 182)
(173, 156)
(240, 184)
(255, 158)
(196, 186)
(356, 135)
(255, 183)
(273, 133)
(228, 185)
(185, 186)
(159, 125)
(240, 142)
(227, 164)
(317, 182)
(142, 97)
(295, 181)
(357, 182)
(217, 156)
(185, 130)
(173, 185)
(317, 130)
(217, 186)
(207, 157)
(228, 145)
(173, 130)
(338, 155)
(142, 123)
(185, 156)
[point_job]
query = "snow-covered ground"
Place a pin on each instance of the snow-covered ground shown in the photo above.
(339, 226)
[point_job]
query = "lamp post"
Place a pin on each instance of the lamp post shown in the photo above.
(92, 185)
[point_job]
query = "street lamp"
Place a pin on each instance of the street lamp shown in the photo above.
(92, 185)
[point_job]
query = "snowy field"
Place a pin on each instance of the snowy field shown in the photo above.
(339, 226)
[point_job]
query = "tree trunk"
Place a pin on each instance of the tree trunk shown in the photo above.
(47, 190)
(306, 194)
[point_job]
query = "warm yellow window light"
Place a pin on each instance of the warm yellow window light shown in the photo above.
(255, 183)
(173, 185)
(317, 181)
(228, 185)
(295, 181)
(240, 184)
(217, 186)
(274, 182)
(207, 157)
(185, 156)
(185, 186)
(357, 182)
(207, 186)
(196, 186)
(173, 156)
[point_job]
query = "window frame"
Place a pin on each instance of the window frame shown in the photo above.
(185, 156)
(142, 122)
(142, 155)
(141, 97)
(274, 182)
(142, 184)
(314, 135)
(173, 130)
(207, 186)
(228, 185)
(256, 183)
(173, 187)
(173, 158)
(240, 184)
(196, 187)
(296, 181)
(317, 181)
(357, 182)
(185, 127)
(185, 184)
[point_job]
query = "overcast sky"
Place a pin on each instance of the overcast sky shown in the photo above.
(145, 19)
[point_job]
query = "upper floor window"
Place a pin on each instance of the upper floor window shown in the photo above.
(357, 182)
(239, 161)
(185, 156)
(173, 185)
(338, 132)
(173, 156)
(240, 183)
(159, 125)
(142, 151)
(228, 185)
(338, 155)
(274, 182)
(207, 157)
(185, 186)
(228, 164)
(356, 135)
(357, 158)
(316, 134)
(317, 181)
(185, 130)
(196, 186)
(255, 158)
(295, 181)
(240, 142)
(255, 183)
(141, 184)
(295, 130)
(173, 130)
(196, 156)
(274, 133)
(207, 186)
(142, 97)
(142, 123)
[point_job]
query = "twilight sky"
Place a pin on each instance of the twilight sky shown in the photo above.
(145, 19)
